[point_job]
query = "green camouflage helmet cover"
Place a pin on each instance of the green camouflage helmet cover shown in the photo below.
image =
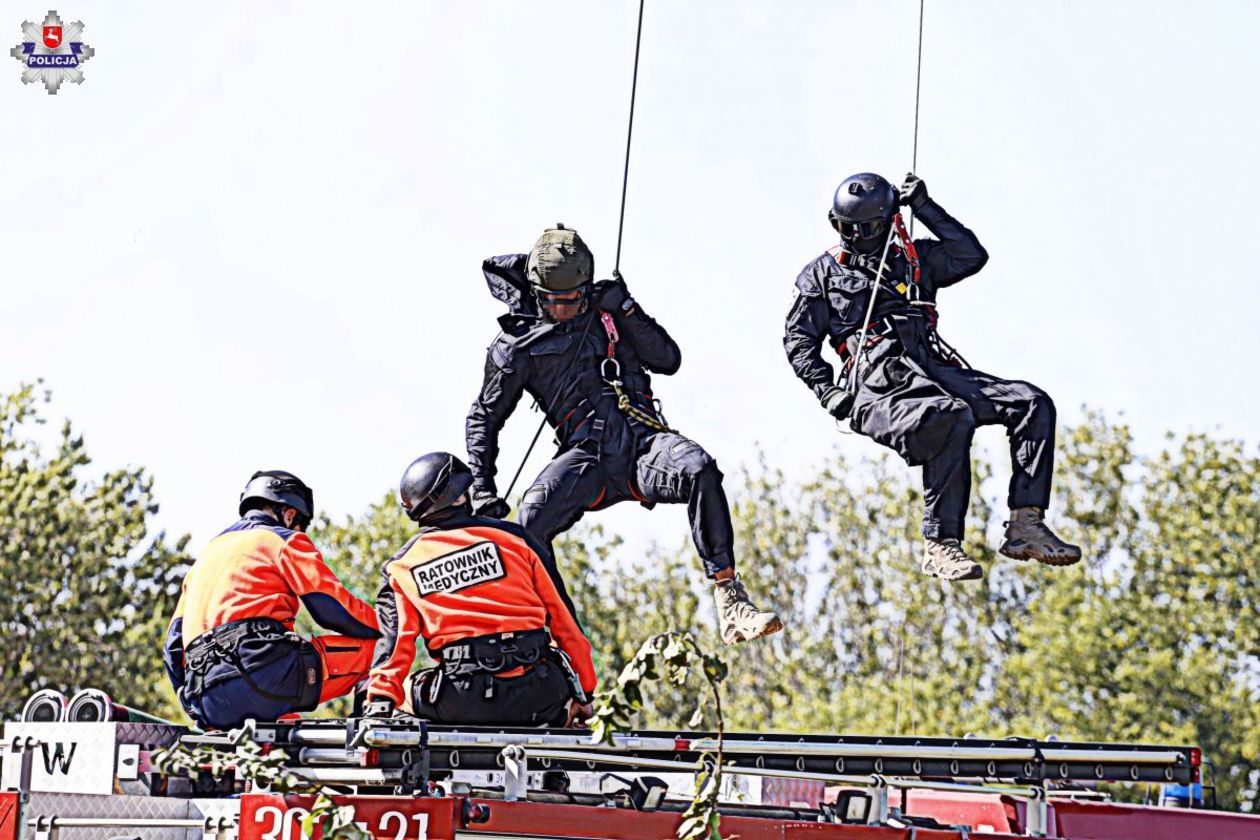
(560, 260)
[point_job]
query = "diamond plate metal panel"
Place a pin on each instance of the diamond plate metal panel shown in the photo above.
(125, 807)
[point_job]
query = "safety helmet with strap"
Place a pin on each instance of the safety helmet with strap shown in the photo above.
(861, 211)
(433, 483)
(278, 487)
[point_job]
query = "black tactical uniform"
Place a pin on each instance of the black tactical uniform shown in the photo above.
(914, 397)
(605, 455)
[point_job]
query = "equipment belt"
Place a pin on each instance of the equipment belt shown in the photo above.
(876, 332)
(222, 641)
(495, 653)
(222, 644)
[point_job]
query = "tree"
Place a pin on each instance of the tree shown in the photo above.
(89, 587)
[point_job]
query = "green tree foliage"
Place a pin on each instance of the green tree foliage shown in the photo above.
(1155, 637)
(89, 588)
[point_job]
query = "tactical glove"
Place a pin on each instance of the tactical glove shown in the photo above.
(485, 503)
(837, 401)
(913, 192)
(613, 296)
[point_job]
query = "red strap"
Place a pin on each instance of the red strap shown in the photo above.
(912, 254)
(610, 329)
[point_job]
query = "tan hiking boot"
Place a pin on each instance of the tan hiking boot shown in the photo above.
(738, 618)
(945, 559)
(1029, 538)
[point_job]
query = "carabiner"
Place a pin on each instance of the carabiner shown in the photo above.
(603, 370)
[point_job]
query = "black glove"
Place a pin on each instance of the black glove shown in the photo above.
(837, 401)
(913, 192)
(613, 296)
(486, 503)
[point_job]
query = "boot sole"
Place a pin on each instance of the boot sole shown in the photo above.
(770, 629)
(975, 574)
(1027, 553)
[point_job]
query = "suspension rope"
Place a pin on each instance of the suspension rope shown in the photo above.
(918, 79)
(625, 175)
(621, 221)
(914, 167)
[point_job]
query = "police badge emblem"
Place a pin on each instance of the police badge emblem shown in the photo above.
(52, 53)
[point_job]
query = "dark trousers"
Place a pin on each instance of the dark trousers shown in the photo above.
(663, 468)
(275, 676)
(1028, 414)
(538, 697)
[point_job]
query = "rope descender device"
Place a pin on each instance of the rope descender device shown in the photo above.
(655, 420)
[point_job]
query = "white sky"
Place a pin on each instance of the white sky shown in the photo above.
(251, 239)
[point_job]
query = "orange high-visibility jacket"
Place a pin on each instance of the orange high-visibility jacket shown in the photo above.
(259, 569)
(472, 577)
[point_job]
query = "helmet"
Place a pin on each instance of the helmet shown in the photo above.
(862, 210)
(433, 483)
(267, 487)
(560, 270)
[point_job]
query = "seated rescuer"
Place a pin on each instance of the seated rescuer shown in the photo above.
(240, 598)
(476, 592)
(913, 393)
(584, 351)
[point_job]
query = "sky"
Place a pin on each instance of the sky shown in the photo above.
(252, 237)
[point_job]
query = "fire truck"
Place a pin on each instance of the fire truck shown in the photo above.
(84, 769)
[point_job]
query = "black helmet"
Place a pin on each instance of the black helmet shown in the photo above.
(560, 269)
(862, 211)
(267, 487)
(433, 483)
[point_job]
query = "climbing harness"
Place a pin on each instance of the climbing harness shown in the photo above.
(222, 645)
(610, 372)
(625, 184)
(855, 354)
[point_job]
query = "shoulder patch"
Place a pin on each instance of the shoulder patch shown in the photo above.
(478, 563)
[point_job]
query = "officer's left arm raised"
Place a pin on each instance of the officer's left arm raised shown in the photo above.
(328, 601)
(956, 253)
(657, 350)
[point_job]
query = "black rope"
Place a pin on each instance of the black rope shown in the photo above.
(625, 176)
(625, 183)
(918, 78)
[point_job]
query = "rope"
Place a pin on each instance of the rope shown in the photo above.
(625, 183)
(918, 79)
(914, 167)
(625, 175)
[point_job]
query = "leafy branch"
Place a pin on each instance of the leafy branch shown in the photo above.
(250, 762)
(671, 656)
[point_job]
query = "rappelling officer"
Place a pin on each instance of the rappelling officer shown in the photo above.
(902, 385)
(584, 350)
(231, 652)
(474, 591)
